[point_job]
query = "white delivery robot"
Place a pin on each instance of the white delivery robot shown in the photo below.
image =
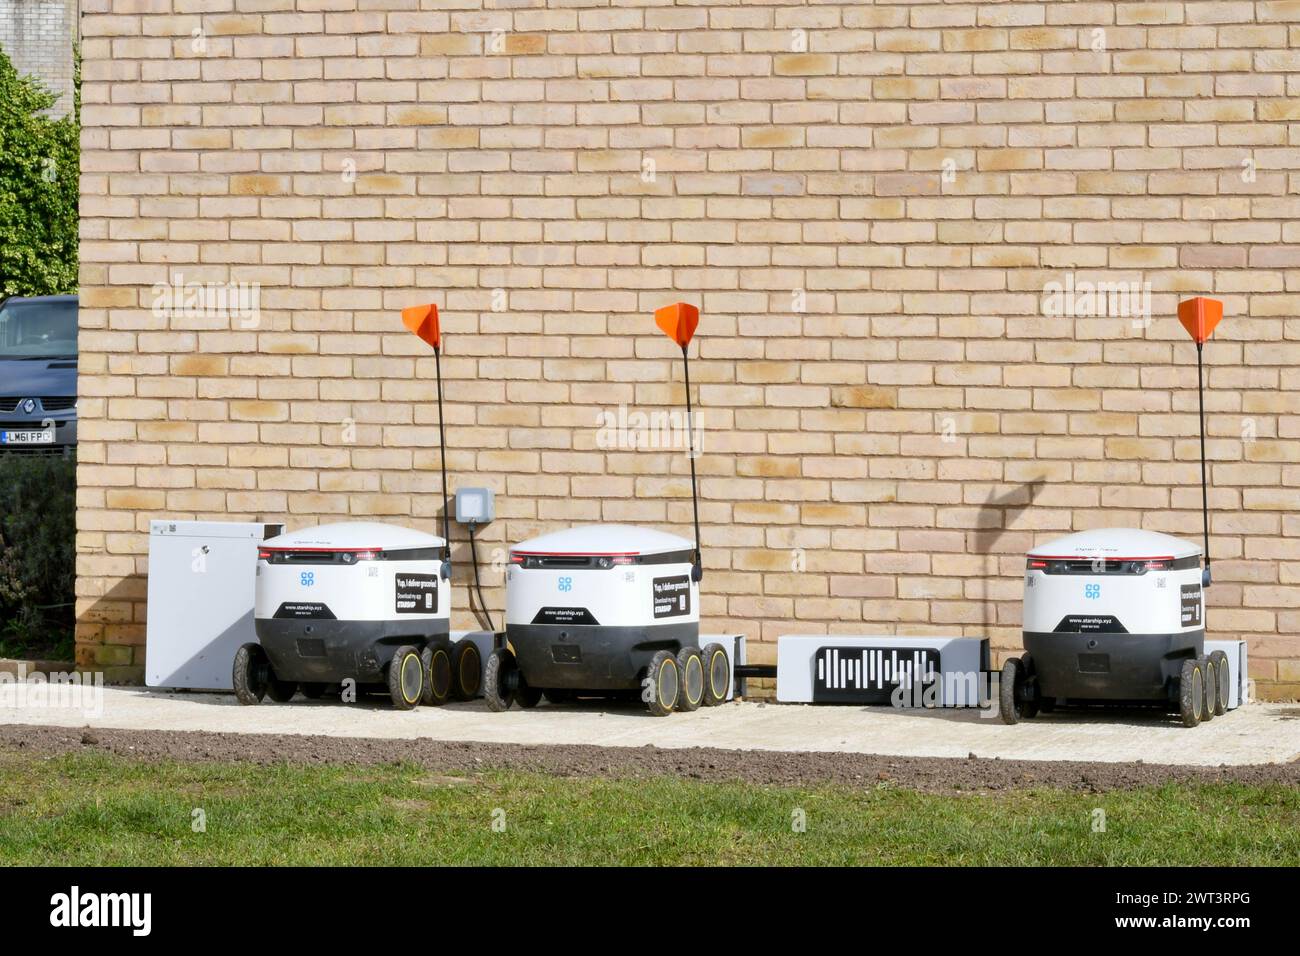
(360, 602)
(610, 610)
(1118, 614)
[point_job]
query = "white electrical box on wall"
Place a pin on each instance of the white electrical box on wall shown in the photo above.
(202, 577)
(475, 505)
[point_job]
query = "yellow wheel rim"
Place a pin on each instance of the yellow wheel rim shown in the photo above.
(698, 664)
(716, 691)
(406, 662)
(662, 702)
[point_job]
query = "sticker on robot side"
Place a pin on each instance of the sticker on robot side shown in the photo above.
(1090, 624)
(564, 615)
(1191, 605)
(294, 610)
(672, 596)
(416, 593)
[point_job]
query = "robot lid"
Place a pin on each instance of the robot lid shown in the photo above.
(1116, 544)
(604, 540)
(353, 536)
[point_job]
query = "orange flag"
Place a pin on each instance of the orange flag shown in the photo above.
(1199, 317)
(678, 322)
(423, 321)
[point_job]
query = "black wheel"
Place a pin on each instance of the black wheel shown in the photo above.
(466, 670)
(436, 661)
(500, 678)
(1013, 680)
(1030, 698)
(1191, 692)
(717, 675)
(1223, 682)
(251, 674)
(690, 667)
(281, 691)
(313, 691)
(662, 684)
(527, 695)
(406, 677)
(558, 695)
(1211, 683)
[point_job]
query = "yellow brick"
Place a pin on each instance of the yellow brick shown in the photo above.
(803, 64)
(258, 185)
(525, 43)
(199, 365)
(864, 396)
(419, 115)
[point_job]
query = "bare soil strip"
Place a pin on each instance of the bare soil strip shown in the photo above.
(777, 768)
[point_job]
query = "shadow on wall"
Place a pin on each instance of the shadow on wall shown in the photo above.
(109, 639)
(995, 518)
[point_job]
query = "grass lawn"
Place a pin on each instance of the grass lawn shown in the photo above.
(95, 809)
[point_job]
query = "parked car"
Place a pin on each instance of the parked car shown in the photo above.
(38, 374)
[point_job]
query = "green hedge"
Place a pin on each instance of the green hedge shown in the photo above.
(39, 166)
(38, 527)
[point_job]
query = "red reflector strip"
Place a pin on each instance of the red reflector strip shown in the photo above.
(1098, 564)
(322, 550)
(1092, 557)
(577, 554)
(349, 555)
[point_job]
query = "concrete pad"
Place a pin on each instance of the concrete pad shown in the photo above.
(1256, 733)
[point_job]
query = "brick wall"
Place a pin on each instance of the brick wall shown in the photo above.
(868, 201)
(37, 37)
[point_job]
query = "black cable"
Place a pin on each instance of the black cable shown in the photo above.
(690, 455)
(442, 441)
(478, 584)
(1205, 494)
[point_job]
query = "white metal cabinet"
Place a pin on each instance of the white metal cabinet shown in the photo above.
(202, 577)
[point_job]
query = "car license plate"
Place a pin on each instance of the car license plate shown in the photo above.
(43, 436)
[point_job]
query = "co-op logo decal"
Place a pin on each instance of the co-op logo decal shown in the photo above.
(307, 578)
(566, 584)
(1092, 591)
